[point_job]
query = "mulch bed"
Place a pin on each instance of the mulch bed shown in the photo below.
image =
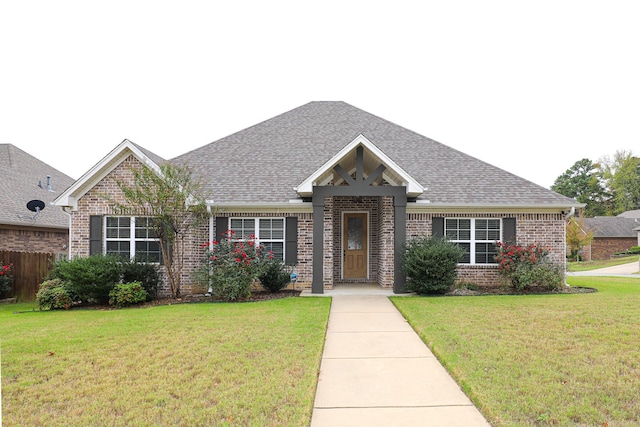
(255, 296)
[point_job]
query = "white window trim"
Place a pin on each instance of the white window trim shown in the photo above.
(132, 236)
(473, 241)
(256, 231)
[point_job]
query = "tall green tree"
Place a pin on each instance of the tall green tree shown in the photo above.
(171, 196)
(583, 182)
(622, 174)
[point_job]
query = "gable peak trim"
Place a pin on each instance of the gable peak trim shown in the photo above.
(305, 188)
(69, 198)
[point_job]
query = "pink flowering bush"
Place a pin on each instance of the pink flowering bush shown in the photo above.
(232, 264)
(526, 266)
(5, 280)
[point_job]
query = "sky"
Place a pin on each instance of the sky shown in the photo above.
(530, 87)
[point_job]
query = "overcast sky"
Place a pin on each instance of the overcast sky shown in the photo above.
(531, 87)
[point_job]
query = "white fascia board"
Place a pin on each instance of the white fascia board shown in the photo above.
(414, 188)
(274, 208)
(426, 206)
(100, 170)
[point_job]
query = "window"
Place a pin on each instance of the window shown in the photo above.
(268, 232)
(132, 237)
(477, 236)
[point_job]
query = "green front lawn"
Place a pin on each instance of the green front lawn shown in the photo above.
(191, 364)
(569, 359)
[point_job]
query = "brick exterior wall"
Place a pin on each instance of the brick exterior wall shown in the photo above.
(304, 267)
(342, 205)
(100, 200)
(543, 229)
(33, 240)
(546, 229)
(386, 243)
(606, 247)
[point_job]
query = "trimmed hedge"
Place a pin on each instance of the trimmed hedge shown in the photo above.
(431, 265)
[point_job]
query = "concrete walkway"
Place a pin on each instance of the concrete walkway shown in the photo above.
(623, 270)
(376, 371)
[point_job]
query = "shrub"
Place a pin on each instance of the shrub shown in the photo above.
(526, 266)
(232, 265)
(127, 294)
(5, 280)
(544, 274)
(431, 265)
(53, 295)
(274, 277)
(88, 279)
(634, 250)
(145, 273)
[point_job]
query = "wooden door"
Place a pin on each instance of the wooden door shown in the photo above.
(355, 245)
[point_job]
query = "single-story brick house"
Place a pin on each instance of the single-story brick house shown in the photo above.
(612, 234)
(335, 191)
(24, 178)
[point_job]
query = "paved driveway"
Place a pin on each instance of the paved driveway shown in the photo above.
(626, 270)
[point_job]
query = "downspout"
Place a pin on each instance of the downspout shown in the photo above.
(211, 237)
(64, 209)
(571, 213)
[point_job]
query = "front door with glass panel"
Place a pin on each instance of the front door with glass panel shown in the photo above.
(355, 245)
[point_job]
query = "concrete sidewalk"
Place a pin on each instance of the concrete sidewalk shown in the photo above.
(376, 371)
(624, 270)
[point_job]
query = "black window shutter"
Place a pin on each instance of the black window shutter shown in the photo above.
(95, 235)
(509, 230)
(437, 226)
(291, 243)
(222, 225)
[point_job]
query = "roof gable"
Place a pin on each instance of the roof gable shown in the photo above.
(87, 181)
(346, 160)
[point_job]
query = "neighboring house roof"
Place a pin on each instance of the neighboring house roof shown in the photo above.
(20, 174)
(125, 149)
(612, 226)
(266, 162)
(630, 214)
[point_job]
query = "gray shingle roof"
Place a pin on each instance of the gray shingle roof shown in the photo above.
(19, 176)
(264, 162)
(630, 214)
(612, 226)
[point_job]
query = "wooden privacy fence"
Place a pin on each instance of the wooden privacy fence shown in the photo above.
(28, 271)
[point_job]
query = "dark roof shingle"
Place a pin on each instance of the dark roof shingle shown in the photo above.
(20, 174)
(263, 163)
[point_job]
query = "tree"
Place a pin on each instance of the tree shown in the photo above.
(583, 182)
(622, 173)
(172, 198)
(578, 236)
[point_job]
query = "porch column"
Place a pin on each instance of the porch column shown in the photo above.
(400, 238)
(317, 286)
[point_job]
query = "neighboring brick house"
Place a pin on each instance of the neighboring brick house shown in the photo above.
(612, 234)
(24, 178)
(336, 192)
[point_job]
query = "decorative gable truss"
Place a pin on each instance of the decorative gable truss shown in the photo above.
(360, 164)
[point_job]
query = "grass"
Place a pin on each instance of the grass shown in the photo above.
(568, 359)
(592, 265)
(253, 364)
